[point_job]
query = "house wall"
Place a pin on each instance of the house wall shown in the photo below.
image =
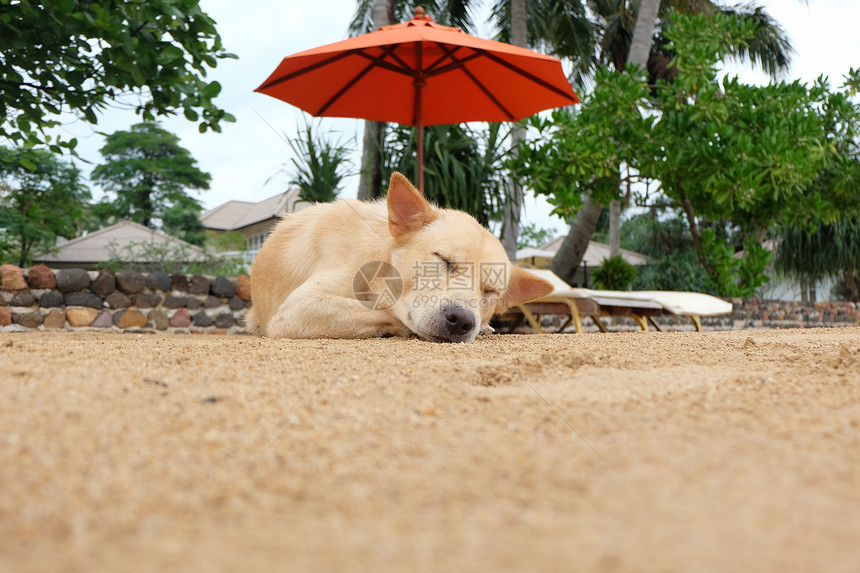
(789, 289)
(256, 234)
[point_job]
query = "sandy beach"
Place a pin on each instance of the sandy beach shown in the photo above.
(714, 451)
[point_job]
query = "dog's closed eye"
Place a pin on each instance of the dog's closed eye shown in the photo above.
(449, 264)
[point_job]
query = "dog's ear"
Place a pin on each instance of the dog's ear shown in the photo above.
(523, 287)
(408, 210)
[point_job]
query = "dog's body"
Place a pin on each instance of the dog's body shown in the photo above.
(358, 270)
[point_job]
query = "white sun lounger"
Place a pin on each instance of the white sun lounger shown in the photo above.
(641, 306)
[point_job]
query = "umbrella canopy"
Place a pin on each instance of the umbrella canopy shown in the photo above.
(420, 73)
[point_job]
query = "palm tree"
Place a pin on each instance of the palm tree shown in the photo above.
(514, 201)
(640, 50)
(769, 50)
(370, 177)
(828, 251)
(646, 21)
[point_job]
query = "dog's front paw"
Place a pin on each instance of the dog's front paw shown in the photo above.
(396, 330)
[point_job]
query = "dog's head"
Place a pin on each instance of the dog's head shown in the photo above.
(455, 273)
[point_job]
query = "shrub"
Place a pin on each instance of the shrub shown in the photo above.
(614, 273)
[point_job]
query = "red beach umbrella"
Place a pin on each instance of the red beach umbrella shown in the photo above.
(420, 73)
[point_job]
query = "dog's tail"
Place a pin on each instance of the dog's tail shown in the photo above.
(251, 324)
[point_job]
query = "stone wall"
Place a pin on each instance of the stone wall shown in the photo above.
(754, 313)
(749, 314)
(40, 298)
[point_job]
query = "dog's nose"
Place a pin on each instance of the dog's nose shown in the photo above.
(458, 320)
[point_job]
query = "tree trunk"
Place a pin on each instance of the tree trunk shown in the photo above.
(851, 285)
(370, 178)
(566, 261)
(513, 201)
(24, 255)
(697, 237)
(643, 33)
(147, 204)
(615, 228)
(514, 195)
(640, 50)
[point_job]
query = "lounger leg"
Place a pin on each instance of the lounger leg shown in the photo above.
(534, 322)
(599, 323)
(654, 322)
(566, 322)
(697, 322)
(574, 314)
(640, 320)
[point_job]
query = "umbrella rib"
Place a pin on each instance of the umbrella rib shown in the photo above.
(487, 93)
(312, 67)
(355, 79)
(380, 60)
(377, 60)
(527, 75)
(448, 54)
(456, 63)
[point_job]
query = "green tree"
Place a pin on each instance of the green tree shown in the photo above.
(662, 234)
(736, 159)
(632, 32)
(822, 244)
(146, 174)
(579, 158)
(745, 154)
(182, 220)
(533, 236)
(37, 205)
(618, 22)
(80, 57)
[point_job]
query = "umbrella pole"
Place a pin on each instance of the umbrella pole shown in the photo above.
(419, 82)
(420, 127)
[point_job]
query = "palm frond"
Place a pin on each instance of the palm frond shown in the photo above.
(770, 48)
(318, 165)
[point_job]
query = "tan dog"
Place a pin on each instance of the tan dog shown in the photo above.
(352, 269)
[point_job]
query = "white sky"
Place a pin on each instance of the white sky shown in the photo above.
(244, 160)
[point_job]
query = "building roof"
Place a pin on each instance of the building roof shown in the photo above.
(593, 257)
(234, 215)
(110, 242)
